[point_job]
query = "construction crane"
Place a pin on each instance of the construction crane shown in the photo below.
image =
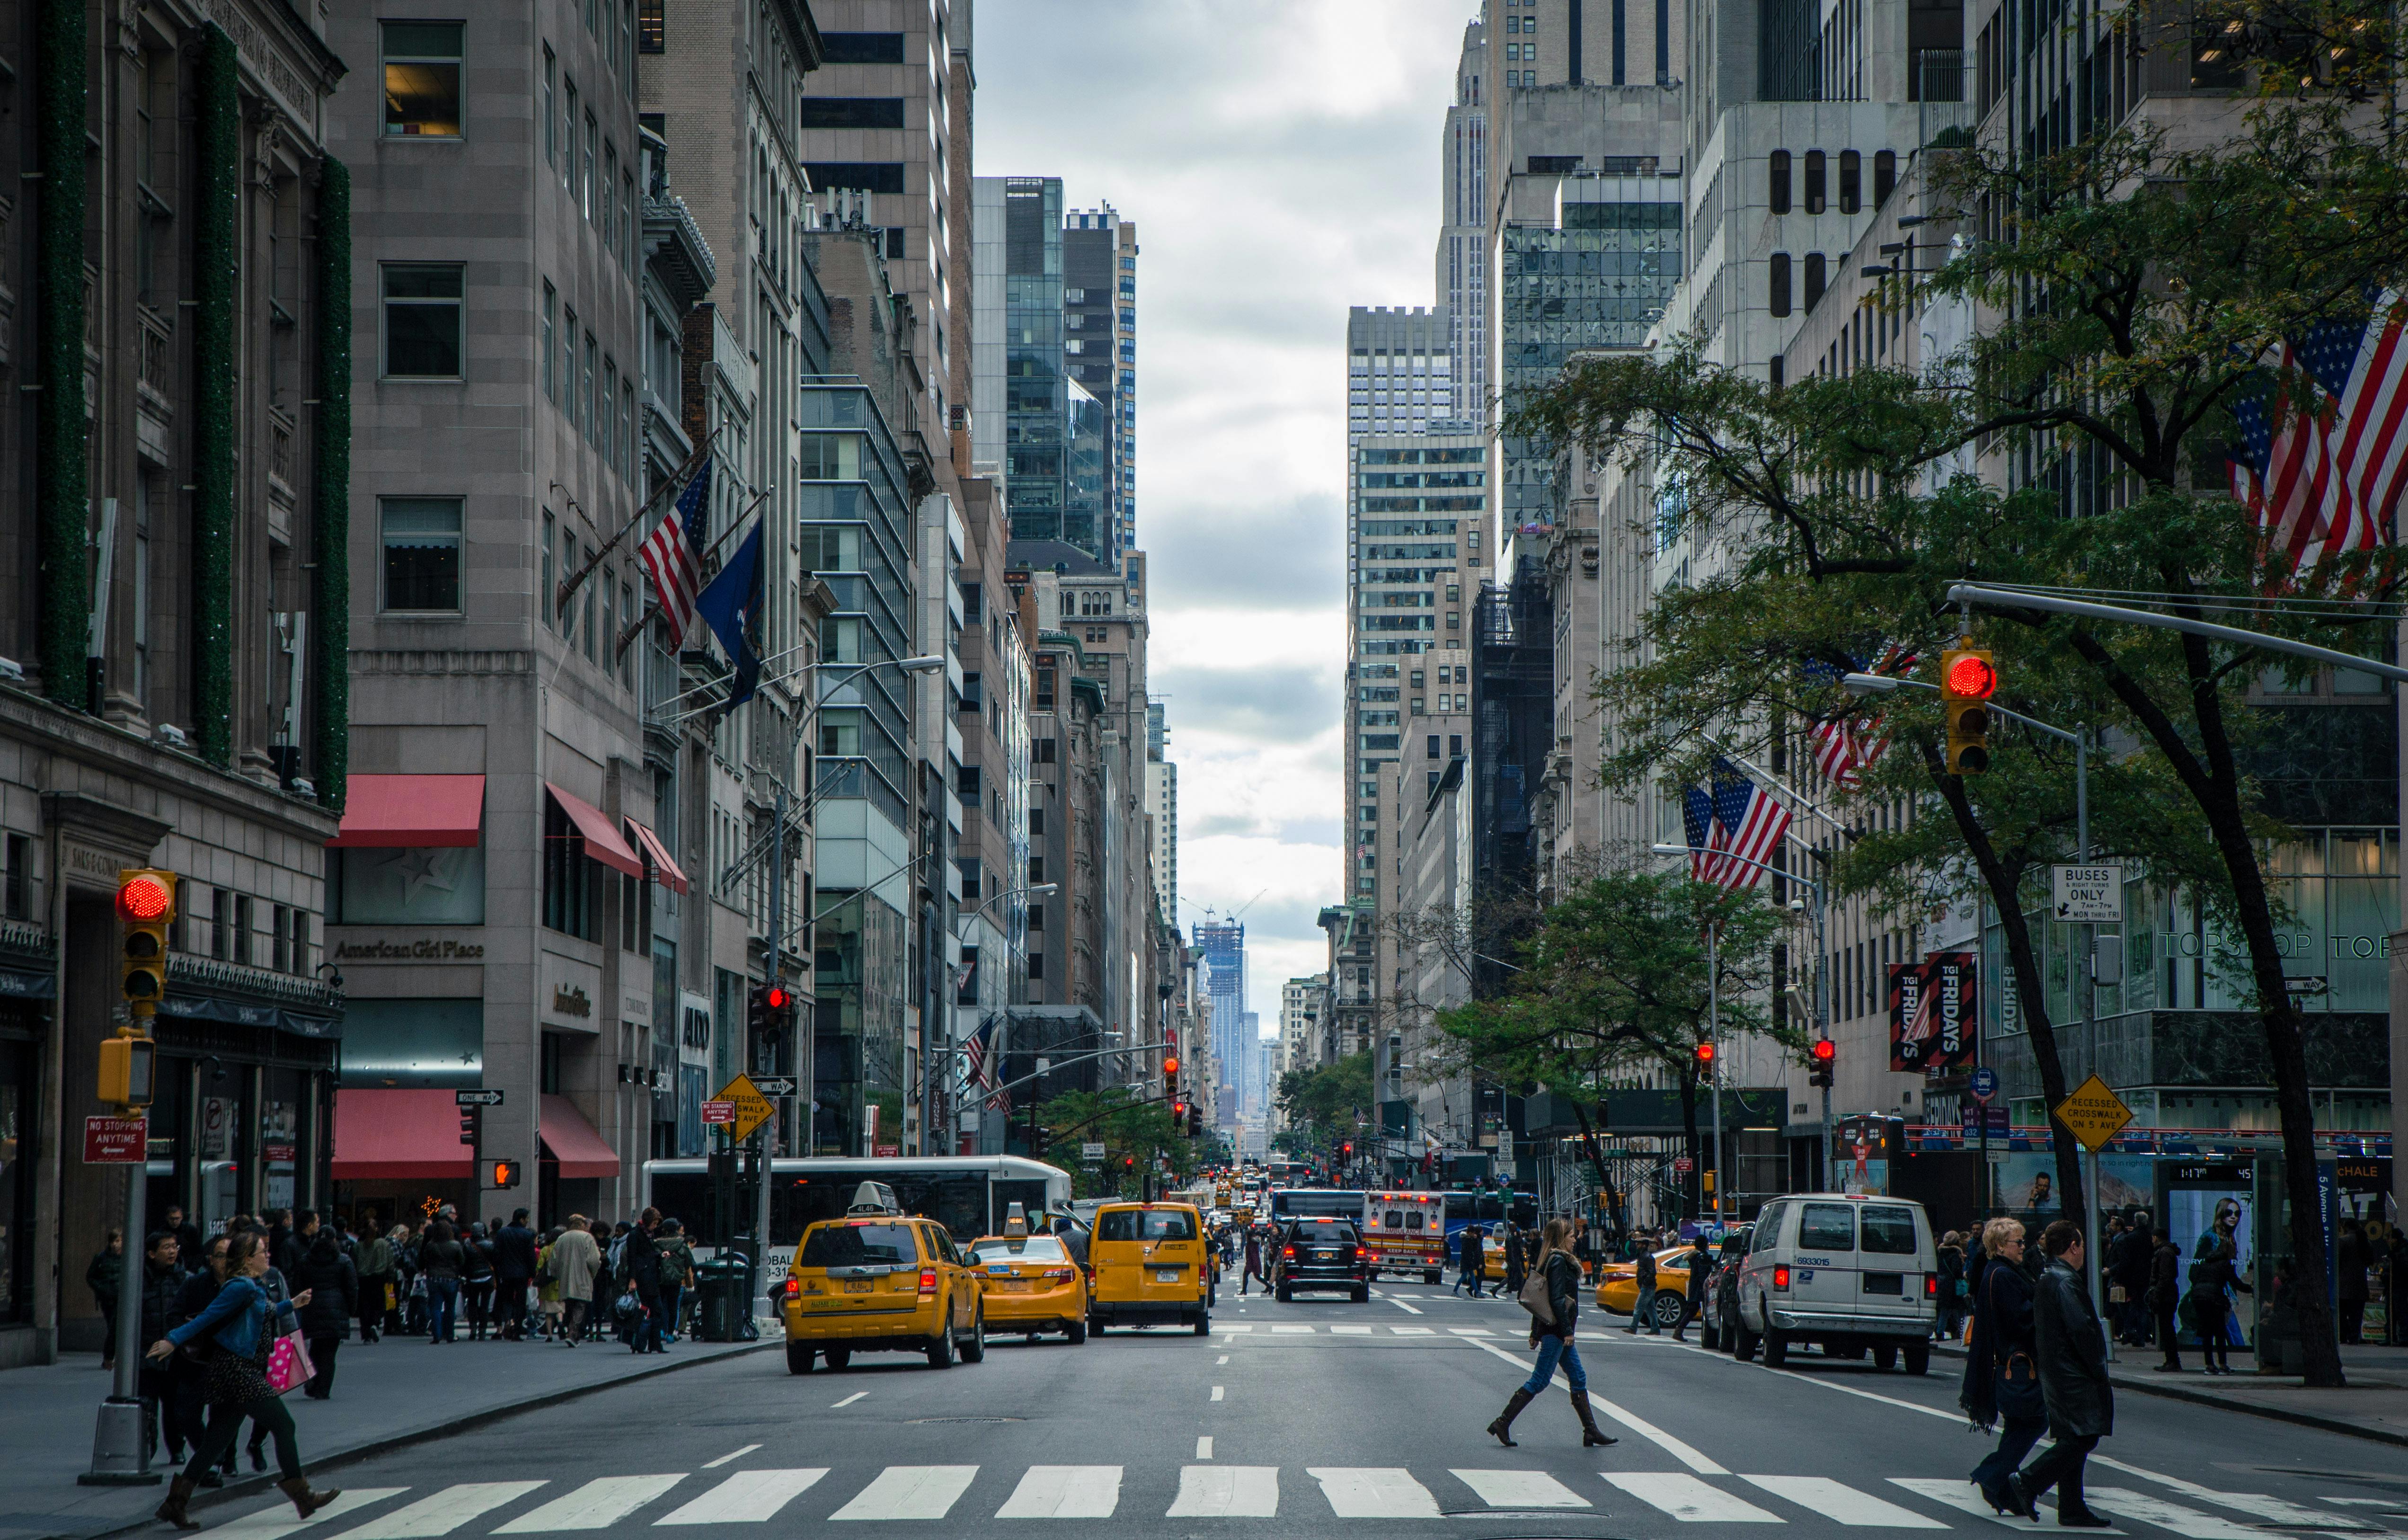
(1232, 917)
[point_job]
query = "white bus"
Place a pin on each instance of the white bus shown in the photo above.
(968, 1194)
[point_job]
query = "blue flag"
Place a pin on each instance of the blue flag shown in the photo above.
(731, 606)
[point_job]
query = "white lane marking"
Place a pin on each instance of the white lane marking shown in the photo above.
(1373, 1491)
(748, 1497)
(1065, 1491)
(1688, 1499)
(1521, 1490)
(1204, 1447)
(1219, 1392)
(1955, 1492)
(1350, 1331)
(1293, 1331)
(1243, 1326)
(599, 1503)
(1402, 1305)
(847, 1401)
(1869, 1395)
(439, 1513)
(1470, 1332)
(2263, 1506)
(2148, 1508)
(714, 1464)
(1678, 1450)
(910, 1492)
(1226, 1492)
(276, 1518)
(1222, 1358)
(1415, 1331)
(1842, 1503)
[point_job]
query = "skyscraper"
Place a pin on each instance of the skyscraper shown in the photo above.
(1036, 404)
(1099, 347)
(1162, 805)
(1223, 945)
(1463, 233)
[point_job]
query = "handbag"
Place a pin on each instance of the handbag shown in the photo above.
(1534, 1299)
(288, 1364)
(2118, 1294)
(2020, 1394)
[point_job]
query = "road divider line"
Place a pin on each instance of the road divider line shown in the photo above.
(714, 1464)
(848, 1401)
(1402, 1305)
(1217, 1393)
(1204, 1447)
(1685, 1453)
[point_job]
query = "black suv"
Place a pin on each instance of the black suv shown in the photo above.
(1322, 1255)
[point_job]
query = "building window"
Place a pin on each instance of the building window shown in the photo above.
(1813, 182)
(422, 553)
(1885, 175)
(651, 30)
(568, 363)
(863, 48)
(853, 112)
(421, 321)
(1037, 871)
(240, 949)
(551, 381)
(966, 782)
(568, 134)
(1780, 285)
(1433, 745)
(1813, 295)
(1852, 182)
(422, 78)
(543, 600)
(569, 903)
(551, 109)
(1777, 191)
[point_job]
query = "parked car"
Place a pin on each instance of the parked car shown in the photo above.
(1720, 1311)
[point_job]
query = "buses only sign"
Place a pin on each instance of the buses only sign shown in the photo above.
(2088, 895)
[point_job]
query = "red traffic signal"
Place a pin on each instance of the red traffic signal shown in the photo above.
(1705, 1056)
(777, 996)
(1171, 1065)
(1970, 675)
(1824, 1051)
(145, 899)
(1347, 1148)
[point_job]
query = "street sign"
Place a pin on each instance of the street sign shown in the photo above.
(475, 1099)
(1092, 1151)
(718, 1111)
(1682, 1165)
(752, 1109)
(1985, 1083)
(2088, 895)
(116, 1141)
(773, 1085)
(2093, 1113)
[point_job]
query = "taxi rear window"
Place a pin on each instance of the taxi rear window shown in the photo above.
(1020, 1248)
(859, 1246)
(1146, 1224)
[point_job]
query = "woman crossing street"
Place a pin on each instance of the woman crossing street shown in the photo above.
(1552, 1334)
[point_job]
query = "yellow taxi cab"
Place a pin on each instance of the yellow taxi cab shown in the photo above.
(881, 1281)
(1617, 1285)
(1150, 1267)
(1031, 1284)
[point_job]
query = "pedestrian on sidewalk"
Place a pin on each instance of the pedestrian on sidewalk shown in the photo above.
(296, 1245)
(514, 1258)
(676, 1274)
(408, 1282)
(2001, 1384)
(1953, 1292)
(104, 1275)
(2351, 1260)
(546, 1288)
(1643, 1305)
(2131, 1274)
(163, 1284)
(236, 1328)
(188, 1236)
(331, 1282)
(1253, 1260)
(440, 1262)
(2073, 1382)
(607, 1282)
(375, 1265)
(2213, 1273)
(477, 1280)
(576, 1264)
(1553, 1336)
(2165, 1295)
(187, 1376)
(640, 1266)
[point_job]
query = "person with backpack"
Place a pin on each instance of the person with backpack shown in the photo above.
(676, 1274)
(1552, 1332)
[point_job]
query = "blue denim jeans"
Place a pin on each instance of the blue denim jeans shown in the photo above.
(1551, 1350)
(442, 1307)
(2016, 1435)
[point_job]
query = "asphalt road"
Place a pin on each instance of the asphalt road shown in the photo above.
(1316, 1418)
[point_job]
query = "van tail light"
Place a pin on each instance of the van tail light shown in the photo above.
(1781, 1278)
(1931, 1286)
(794, 1289)
(1288, 1253)
(928, 1280)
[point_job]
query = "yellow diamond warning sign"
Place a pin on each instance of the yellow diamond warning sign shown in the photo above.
(752, 1109)
(2093, 1112)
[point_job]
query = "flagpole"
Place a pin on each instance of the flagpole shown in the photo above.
(569, 584)
(653, 608)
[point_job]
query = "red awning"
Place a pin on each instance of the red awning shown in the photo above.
(401, 812)
(602, 841)
(383, 1133)
(571, 1141)
(671, 876)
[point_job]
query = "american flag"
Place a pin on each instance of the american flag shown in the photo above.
(1846, 747)
(672, 553)
(1705, 839)
(975, 1069)
(2323, 468)
(1751, 825)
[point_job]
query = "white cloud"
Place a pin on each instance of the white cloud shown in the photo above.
(1281, 161)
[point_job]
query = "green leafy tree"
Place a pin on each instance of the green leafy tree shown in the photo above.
(1129, 1127)
(1324, 1106)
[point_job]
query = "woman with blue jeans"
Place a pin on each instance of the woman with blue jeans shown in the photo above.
(1552, 1336)
(2002, 1364)
(441, 1259)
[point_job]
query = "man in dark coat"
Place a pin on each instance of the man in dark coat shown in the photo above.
(2351, 1258)
(163, 1285)
(2072, 1348)
(333, 1284)
(1643, 1307)
(640, 1263)
(514, 1255)
(1701, 1265)
(187, 1376)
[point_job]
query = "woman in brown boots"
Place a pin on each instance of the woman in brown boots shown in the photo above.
(1552, 1334)
(235, 1337)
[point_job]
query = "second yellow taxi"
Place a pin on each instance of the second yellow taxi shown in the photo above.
(1031, 1284)
(881, 1281)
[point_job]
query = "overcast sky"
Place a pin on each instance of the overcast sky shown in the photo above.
(1281, 161)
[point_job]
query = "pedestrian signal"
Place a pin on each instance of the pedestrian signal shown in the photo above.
(499, 1173)
(1968, 679)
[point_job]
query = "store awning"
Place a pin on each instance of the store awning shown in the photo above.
(571, 1141)
(404, 811)
(383, 1133)
(602, 841)
(665, 870)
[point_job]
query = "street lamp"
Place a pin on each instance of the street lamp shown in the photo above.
(928, 1060)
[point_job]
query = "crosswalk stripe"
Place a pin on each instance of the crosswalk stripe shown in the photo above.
(1226, 1492)
(1955, 1492)
(2190, 1523)
(1521, 1490)
(1065, 1491)
(1677, 1448)
(910, 1492)
(748, 1497)
(1373, 1491)
(601, 1502)
(1415, 1331)
(2272, 1508)
(1688, 1499)
(1842, 1503)
(1471, 1332)
(276, 1518)
(1242, 1326)
(1293, 1331)
(441, 1513)
(1350, 1331)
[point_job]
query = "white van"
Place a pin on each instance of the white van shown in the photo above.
(1843, 1271)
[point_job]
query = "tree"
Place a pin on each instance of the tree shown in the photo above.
(1126, 1127)
(2128, 291)
(1331, 1101)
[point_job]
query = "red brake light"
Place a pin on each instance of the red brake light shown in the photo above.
(1931, 1286)
(793, 1287)
(928, 1280)
(1361, 1252)
(1058, 1273)
(1780, 1277)
(1287, 1252)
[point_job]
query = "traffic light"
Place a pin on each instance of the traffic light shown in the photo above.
(1820, 1057)
(1968, 679)
(125, 1071)
(499, 1173)
(1705, 1057)
(1195, 1121)
(146, 905)
(472, 1126)
(1171, 1065)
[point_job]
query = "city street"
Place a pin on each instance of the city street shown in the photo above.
(1316, 1418)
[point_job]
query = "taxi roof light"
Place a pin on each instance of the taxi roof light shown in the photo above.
(874, 1198)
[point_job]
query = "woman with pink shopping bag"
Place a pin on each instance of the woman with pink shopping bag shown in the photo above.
(245, 1365)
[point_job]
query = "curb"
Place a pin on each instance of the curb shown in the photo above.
(2166, 1391)
(252, 1485)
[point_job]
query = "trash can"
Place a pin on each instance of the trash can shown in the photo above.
(723, 1303)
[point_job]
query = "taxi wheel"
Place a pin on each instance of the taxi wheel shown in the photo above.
(1204, 1325)
(974, 1350)
(941, 1349)
(839, 1359)
(1668, 1308)
(1077, 1333)
(798, 1358)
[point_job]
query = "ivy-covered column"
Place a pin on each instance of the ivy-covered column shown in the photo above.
(62, 478)
(215, 260)
(331, 590)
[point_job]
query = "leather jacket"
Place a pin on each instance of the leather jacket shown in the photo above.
(2072, 1357)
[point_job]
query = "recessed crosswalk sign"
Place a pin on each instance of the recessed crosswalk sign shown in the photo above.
(2093, 1112)
(752, 1109)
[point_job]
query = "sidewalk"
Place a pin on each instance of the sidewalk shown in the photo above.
(391, 1392)
(2373, 1404)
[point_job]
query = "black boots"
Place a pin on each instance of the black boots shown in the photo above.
(306, 1502)
(179, 1492)
(1503, 1427)
(1590, 1438)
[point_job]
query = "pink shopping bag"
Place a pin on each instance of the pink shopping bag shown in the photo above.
(288, 1363)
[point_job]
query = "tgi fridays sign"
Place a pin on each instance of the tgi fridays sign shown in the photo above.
(1931, 1012)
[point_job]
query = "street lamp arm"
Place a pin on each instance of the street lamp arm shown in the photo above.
(1054, 1064)
(2005, 598)
(1760, 865)
(1884, 684)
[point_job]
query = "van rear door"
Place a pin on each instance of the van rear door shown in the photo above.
(1823, 1267)
(1893, 1251)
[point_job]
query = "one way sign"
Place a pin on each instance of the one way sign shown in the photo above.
(773, 1085)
